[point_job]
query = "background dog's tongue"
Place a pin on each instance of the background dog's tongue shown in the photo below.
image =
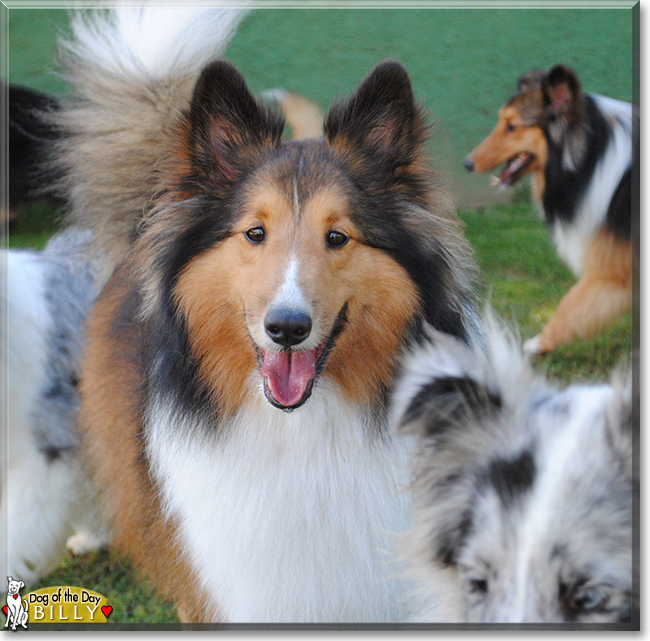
(288, 374)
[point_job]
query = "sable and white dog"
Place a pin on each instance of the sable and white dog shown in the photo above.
(240, 358)
(579, 150)
(48, 296)
(523, 493)
(17, 613)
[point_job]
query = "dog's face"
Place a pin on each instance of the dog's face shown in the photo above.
(524, 490)
(545, 103)
(299, 274)
(550, 538)
(515, 140)
(14, 587)
(295, 260)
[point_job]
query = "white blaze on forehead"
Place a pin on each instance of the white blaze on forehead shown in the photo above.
(290, 293)
(296, 199)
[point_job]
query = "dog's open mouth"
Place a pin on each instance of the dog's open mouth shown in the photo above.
(515, 168)
(289, 375)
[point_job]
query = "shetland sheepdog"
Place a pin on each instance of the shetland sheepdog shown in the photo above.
(579, 150)
(523, 492)
(44, 490)
(239, 361)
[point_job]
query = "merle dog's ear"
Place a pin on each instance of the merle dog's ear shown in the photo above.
(445, 402)
(227, 124)
(531, 80)
(563, 93)
(380, 123)
(443, 398)
(444, 383)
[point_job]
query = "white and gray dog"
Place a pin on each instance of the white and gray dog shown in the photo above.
(523, 493)
(44, 495)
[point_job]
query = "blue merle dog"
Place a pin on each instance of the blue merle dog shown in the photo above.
(523, 493)
(44, 495)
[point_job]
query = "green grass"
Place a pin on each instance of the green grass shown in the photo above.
(133, 601)
(37, 223)
(524, 281)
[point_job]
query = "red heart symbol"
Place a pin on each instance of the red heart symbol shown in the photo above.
(15, 596)
(4, 609)
(107, 609)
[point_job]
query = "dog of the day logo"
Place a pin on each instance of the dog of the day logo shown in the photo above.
(16, 608)
(60, 604)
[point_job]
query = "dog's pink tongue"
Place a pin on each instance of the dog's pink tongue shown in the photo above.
(288, 374)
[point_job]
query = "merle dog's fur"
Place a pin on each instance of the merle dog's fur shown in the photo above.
(523, 492)
(44, 491)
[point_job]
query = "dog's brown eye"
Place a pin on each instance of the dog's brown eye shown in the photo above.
(256, 235)
(336, 239)
(510, 127)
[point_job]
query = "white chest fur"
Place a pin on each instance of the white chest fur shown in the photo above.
(288, 517)
(572, 238)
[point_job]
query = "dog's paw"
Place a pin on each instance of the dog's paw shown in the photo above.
(532, 346)
(83, 542)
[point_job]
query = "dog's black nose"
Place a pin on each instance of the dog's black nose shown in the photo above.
(469, 164)
(287, 327)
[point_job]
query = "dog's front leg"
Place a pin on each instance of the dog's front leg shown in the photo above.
(602, 294)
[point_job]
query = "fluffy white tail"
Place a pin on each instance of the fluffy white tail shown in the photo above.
(154, 40)
(133, 68)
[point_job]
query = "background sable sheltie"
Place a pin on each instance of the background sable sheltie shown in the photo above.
(523, 493)
(240, 357)
(579, 149)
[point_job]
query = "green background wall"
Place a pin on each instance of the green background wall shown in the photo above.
(463, 63)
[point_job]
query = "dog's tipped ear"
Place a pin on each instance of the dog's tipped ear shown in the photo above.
(380, 119)
(563, 93)
(226, 120)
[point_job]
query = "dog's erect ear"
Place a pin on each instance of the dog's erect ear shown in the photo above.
(531, 80)
(563, 93)
(227, 124)
(380, 120)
